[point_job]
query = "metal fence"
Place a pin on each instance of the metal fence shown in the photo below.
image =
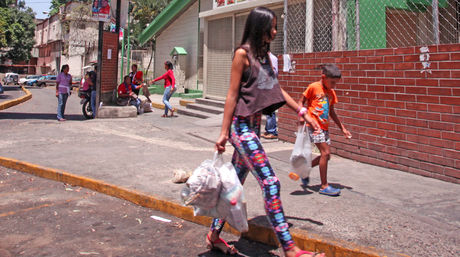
(336, 25)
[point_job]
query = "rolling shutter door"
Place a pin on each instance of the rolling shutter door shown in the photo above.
(220, 50)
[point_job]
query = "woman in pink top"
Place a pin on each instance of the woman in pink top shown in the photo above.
(170, 87)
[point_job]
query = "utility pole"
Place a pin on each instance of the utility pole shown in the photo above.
(128, 53)
(99, 65)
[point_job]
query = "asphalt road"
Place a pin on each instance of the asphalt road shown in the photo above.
(383, 208)
(10, 93)
(39, 217)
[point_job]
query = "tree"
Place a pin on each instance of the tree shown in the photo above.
(143, 13)
(17, 31)
(55, 5)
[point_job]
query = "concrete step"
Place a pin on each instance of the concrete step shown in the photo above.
(194, 113)
(110, 112)
(205, 108)
(215, 103)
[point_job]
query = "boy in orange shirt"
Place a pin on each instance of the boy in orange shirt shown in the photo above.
(320, 97)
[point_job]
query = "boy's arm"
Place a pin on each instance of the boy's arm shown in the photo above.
(334, 116)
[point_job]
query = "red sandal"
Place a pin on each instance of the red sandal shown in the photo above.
(301, 252)
(230, 250)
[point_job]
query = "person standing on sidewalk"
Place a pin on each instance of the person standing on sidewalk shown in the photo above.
(63, 88)
(170, 87)
(271, 131)
(320, 97)
(92, 85)
(254, 90)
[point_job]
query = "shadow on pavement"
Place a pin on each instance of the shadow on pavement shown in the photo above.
(36, 116)
(245, 248)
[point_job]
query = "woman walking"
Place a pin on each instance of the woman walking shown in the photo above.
(254, 90)
(170, 87)
(63, 88)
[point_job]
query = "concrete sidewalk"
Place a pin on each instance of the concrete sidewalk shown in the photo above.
(382, 208)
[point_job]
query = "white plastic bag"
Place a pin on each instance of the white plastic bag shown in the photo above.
(204, 185)
(231, 204)
(301, 155)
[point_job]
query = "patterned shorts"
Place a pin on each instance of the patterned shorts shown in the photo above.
(321, 137)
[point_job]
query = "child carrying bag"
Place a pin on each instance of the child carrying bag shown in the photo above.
(301, 155)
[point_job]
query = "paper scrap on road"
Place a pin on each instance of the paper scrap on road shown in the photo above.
(160, 218)
(89, 253)
(139, 220)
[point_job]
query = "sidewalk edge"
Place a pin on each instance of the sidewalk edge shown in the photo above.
(11, 103)
(256, 232)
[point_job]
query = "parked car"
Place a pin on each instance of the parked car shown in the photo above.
(49, 80)
(28, 78)
(34, 82)
(11, 78)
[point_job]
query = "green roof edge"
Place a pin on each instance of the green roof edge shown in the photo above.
(163, 19)
(179, 50)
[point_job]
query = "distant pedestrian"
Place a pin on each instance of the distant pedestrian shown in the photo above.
(254, 90)
(126, 96)
(271, 129)
(170, 87)
(92, 85)
(320, 98)
(137, 77)
(63, 90)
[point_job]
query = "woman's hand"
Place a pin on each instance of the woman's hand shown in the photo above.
(220, 143)
(313, 123)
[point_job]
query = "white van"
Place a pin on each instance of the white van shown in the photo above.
(11, 78)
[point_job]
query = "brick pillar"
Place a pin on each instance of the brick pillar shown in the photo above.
(109, 67)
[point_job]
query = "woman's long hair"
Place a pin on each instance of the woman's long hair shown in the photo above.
(169, 64)
(258, 25)
(64, 67)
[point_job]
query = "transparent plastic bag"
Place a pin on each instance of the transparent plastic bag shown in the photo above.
(231, 204)
(204, 185)
(301, 155)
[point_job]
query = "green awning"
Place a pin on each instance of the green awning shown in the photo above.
(178, 51)
(163, 19)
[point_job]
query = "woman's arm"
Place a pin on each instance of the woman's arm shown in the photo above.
(173, 79)
(160, 78)
(298, 108)
(240, 62)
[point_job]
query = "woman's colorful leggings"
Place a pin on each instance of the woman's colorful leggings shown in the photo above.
(250, 156)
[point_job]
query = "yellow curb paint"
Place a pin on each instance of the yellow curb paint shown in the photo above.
(158, 106)
(183, 102)
(11, 103)
(304, 240)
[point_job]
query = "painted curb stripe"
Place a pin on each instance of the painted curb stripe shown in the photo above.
(256, 232)
(11, 103)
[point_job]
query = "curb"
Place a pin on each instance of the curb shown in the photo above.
(11, 103)
(257, 232)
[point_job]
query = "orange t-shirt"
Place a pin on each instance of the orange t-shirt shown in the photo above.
(319, 101)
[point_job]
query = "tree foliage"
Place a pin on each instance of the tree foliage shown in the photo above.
(17, 31)
(144, 12)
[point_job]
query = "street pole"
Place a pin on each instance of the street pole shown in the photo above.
(128, 52)
(285, 36)
(117, 30)
(435, 5)
(122, 58)
(99, 65)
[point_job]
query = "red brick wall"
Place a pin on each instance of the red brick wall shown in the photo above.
(400, 118)
(109, 67)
